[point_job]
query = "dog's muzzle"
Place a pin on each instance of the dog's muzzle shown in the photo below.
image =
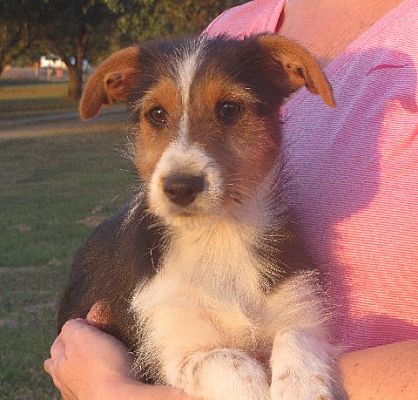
(183, 189)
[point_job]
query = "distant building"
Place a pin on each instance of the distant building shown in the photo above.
(55, 62)
(51, 61)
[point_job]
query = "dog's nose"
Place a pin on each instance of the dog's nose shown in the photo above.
(183, 189)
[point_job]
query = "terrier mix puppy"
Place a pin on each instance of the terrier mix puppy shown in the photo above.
(203, 274)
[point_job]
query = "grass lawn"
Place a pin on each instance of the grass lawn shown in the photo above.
(52, 190)
(24, 99)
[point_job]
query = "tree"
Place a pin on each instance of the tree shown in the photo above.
(14, 41)
(77, 30)
(90, 28)
(73, 30)
(144, 19)
(17, 30)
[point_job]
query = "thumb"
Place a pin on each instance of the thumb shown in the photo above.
(48, 366)
(98, 315)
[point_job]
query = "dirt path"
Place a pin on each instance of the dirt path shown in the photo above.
(62, 123)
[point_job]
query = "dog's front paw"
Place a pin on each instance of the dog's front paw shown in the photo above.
(223, 374)
(303, 368)
(289, 384)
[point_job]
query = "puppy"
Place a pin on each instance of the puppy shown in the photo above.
(203, 275)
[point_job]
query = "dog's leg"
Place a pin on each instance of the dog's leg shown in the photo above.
(303, 361)
(197, 359)
(223, 374)
(302, 367)
(195, 347)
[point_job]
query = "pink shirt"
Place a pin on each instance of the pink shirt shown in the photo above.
(354, 172)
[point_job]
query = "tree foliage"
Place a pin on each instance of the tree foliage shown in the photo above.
(18, 32)
(77, 30)
(144, 19)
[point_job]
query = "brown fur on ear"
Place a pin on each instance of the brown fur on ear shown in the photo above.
(299, 65)
(110, 81)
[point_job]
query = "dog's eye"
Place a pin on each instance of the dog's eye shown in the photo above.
(157, 116)
(228, 111)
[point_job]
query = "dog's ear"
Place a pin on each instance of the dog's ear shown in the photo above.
(299, 66)
(111, 81)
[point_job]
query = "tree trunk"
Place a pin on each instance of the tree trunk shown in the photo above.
(75, 83)
(75, 72)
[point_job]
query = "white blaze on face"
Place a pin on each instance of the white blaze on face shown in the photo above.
(186, 70)
(186, 159)
(182, 157)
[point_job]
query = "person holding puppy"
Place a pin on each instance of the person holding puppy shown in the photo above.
(353, 186)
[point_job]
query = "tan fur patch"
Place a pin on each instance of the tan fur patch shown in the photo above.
(111, 81)
(151, 141)
(320, 379)
(284, 376)
(246, 148)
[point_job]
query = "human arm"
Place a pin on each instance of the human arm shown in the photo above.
(382, 373)
(88, 364)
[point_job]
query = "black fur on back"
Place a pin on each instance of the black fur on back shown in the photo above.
(109, 266)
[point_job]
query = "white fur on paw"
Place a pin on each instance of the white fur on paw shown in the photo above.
(289, 385)
(224, 374)
(302, 365)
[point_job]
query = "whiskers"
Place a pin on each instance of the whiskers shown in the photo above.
(237, 189)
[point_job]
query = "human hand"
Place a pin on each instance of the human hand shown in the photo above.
(85, 361)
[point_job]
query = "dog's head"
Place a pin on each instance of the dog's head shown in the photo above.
(205, 113)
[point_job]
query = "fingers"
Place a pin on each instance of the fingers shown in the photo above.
(71, 328)
(82, 354)
(48, 367)
(52, 367)
(57, 349)
(98, 315)
(65, 351)
(57, 354)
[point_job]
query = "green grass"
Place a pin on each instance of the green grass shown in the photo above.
(18, 99)
(27, 312)
(51, 184)
(49, 187)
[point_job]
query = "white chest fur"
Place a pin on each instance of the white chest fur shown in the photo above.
(217, 258)
(212, 273)
(205, 311)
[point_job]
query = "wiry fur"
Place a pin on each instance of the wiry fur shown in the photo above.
(232, 307)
